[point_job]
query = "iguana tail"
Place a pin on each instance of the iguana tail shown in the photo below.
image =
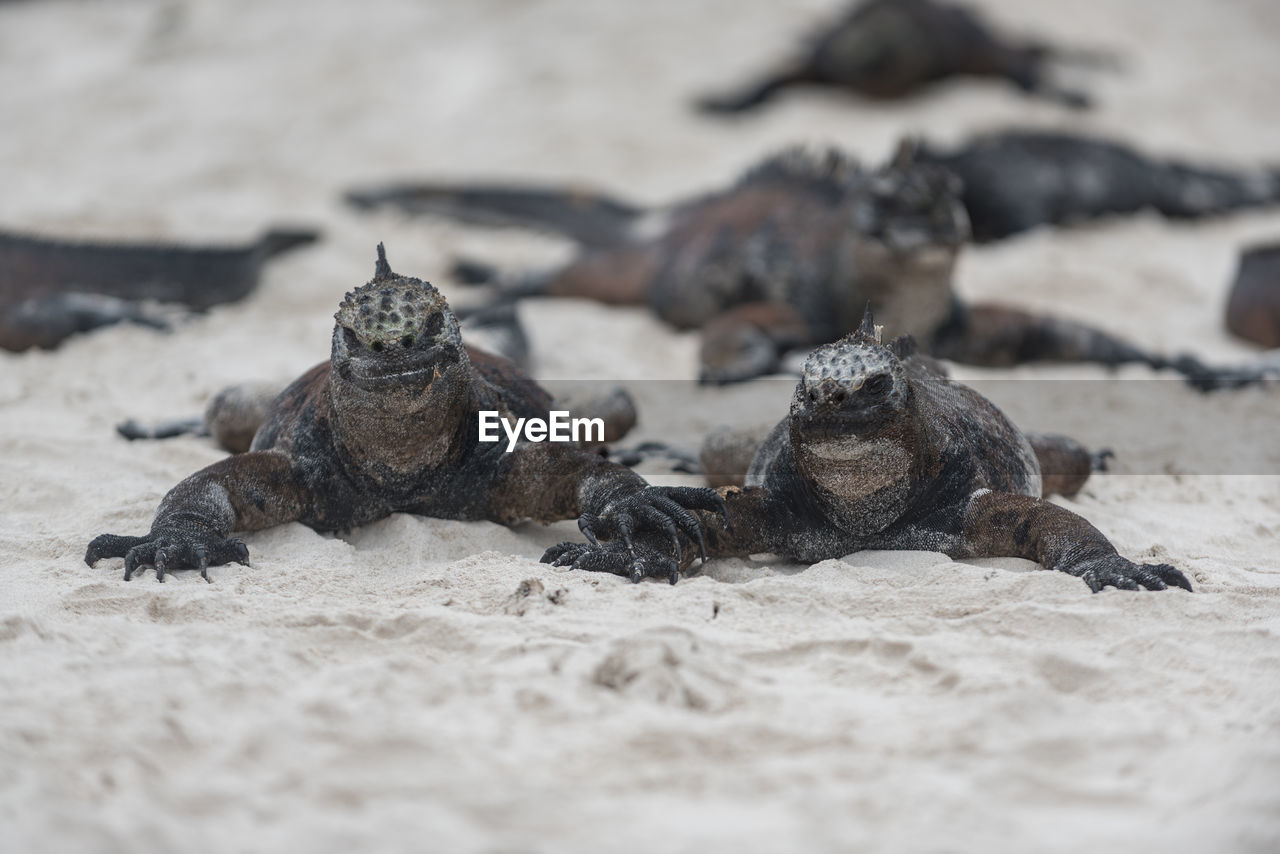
(749, 97)
(508, 289)
(1191, 191)
(592, 219)
(1095, 58)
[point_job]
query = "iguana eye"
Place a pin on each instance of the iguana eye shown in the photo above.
(407, 341)
(350, 338)
(434, 324)
(877, 385)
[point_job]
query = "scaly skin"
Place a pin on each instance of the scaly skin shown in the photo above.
(879, 451)
(390, 424)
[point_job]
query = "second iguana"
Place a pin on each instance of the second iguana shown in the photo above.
(880, 451)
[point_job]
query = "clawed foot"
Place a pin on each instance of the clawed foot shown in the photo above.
(616, 558)
(168, 550)
(657, 508)
(1126, 575)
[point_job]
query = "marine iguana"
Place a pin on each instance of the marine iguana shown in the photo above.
(887, 49)
(51, 289)
(390, 424)
(1015, 180)
(783, 259)
(879, 451)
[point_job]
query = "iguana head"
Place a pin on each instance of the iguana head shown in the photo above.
(395, 333)
(855, 386)
(911, 206)
(852, 430)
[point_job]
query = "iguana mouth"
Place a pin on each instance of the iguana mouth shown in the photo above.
(384, 373)
(834, 426)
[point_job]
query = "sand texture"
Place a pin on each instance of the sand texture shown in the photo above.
(427, 685)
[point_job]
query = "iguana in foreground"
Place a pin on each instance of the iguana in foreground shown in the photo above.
(885, 49)
(1015, 180)
(784, 259)
(879, 451)
(390, 424)
(51, 289)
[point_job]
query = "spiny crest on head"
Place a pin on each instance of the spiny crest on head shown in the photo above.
(381, 269)
(870, 332)
(834, 371)
(913, 183)
(907, 151)
(391, 307)
(828, 167)
(869, 328)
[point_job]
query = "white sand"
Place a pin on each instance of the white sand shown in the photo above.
(393, 691)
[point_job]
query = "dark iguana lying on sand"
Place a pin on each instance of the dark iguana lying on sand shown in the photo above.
(784, 259)
(1015, 180)
(390, 424)
(888, 49)
(879, 451)
(51, 289)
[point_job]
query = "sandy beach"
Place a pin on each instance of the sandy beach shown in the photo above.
(427, 685)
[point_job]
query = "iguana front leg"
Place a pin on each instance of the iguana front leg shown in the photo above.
(753, 521)
(746, 341)
(1006, 524)
(246, 492)
(550, 481)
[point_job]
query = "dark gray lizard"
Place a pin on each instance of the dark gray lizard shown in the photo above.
(879, 451)
(51, 289)
(390, 424)
(886, 49)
